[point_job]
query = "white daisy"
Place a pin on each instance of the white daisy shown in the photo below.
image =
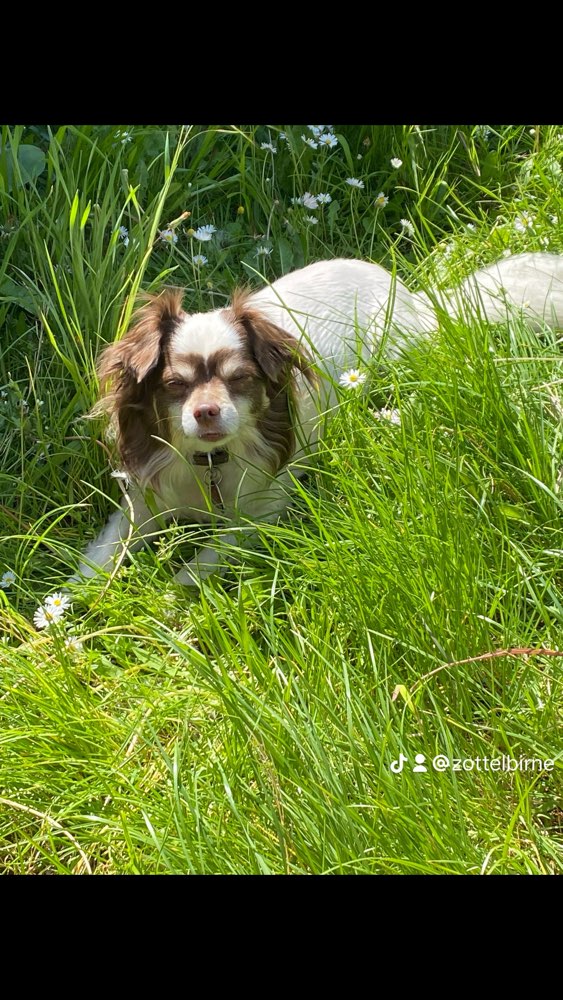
(263, 251)
(312, 220)
(310, 142)
(124, 235)
(470, 226)
(199, 259)
(309, 200)
(323, 199)
(123, 136)
(354, 182)
(44, 617)
(205, 233)
(269, 146)
(381, 201)
(7, 579)
(392, 416)
(396, 162)
(407, 227)
(524, 221)
(328, 139)
(168, 236)
(482, 132)
(57, 602)
(315, 129)
(73, 644)
(352, 379)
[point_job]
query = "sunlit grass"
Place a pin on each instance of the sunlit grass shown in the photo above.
(250, 729)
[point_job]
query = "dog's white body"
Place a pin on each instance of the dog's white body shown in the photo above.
(344, 311)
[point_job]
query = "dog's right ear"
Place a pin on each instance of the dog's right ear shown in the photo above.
(138, 352)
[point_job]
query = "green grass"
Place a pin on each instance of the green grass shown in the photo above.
(251, 728)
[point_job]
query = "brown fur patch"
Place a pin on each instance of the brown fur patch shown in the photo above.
(129, 373)
(278, 355)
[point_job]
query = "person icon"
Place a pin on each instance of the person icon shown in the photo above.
(419, 759)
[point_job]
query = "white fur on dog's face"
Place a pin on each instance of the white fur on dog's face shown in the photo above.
(200, 382)
(215, 390)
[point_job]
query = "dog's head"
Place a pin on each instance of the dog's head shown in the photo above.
(202, 381)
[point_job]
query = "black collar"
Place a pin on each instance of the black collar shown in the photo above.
(218, 457)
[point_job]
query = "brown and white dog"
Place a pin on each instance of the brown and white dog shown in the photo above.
(213, 412)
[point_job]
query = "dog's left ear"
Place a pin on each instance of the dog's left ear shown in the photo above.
(275, 351)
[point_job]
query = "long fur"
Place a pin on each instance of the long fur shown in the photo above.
(246, 385)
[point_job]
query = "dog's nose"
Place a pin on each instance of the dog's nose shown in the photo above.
(206, 410)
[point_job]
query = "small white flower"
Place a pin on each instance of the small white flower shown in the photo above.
(532, 131)
(44, 616)
(352, 379)
(123, 136)
(381, 201)
(310, 142)
(315, 129)
(168, 236)
(323, 198)
(312, 220)
(554, 219)
(282, 135)
(328, 139)
(199, 259)
(7, 579)
(470, 226)
(354, 182)
(73, 644)
(57, 602)
(524, 221)
(263, 251)
(269, 146)
(392, 416)
(124, 235)
(205, 233)
(359, 156)
(396, 162)
(407, 227)
(309, 200)
(483, 132)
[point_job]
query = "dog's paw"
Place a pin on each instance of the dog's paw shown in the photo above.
(205, 564)
(188, 578)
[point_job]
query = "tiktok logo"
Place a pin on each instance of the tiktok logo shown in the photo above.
(397, 765)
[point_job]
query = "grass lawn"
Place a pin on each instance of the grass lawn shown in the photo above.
(251, 728)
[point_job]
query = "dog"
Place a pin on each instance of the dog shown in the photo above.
(214, 413)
